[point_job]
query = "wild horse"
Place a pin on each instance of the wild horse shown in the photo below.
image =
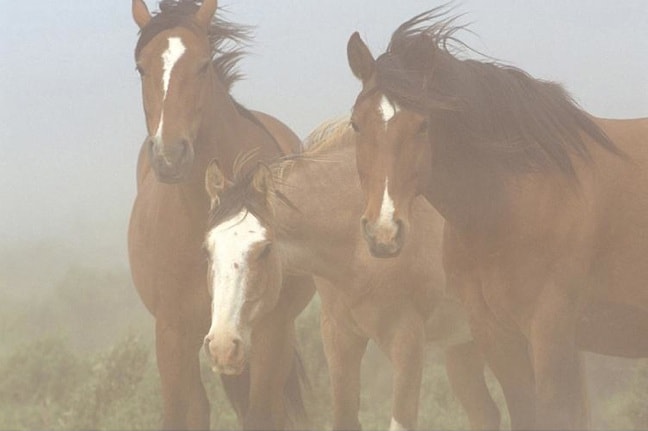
(546, 208)
(299, 216)
(187, 66)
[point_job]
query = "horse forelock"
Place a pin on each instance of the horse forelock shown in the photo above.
(225, 38)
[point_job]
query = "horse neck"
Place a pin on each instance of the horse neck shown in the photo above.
(468, 192)
(321, 235)
(222, 135)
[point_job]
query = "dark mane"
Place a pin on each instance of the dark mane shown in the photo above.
(483, 109)
(225, 37)
(238, 196)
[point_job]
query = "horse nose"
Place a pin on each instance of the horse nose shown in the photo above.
(384, 240)
(226, 352)
(364, 222)
(175, 153)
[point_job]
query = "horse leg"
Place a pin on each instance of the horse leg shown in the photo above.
(404, 342)
(561, 398)
(270, 363)
(185, 404)
(344, 351)
(505, 351)
(465, 368)
(272, 356)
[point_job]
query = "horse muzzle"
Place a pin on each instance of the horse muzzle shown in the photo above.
(228, 354)
(384, 240)
(171, 163)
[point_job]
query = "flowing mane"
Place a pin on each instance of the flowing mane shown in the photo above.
(486, 110)
(326, 138)
(225, 37)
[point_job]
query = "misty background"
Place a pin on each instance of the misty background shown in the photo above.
(71, 120)
(70, 105)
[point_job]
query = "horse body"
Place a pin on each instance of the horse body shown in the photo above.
(312, 229)
(188, 127)
(546, 209)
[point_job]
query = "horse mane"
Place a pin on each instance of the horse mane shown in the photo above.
(327, 136)
(483, 109)
(240, 195)
(225, 37)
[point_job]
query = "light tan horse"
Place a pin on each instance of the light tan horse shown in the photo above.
(546, 207)
(187, 69)
(300, 217)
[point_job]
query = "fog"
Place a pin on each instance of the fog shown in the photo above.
(72, 121)
(70, 100)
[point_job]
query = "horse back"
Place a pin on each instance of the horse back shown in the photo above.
(288, 141)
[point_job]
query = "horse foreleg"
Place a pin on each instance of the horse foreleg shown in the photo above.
(465, 367)
(344, 351)
(272, 357)
(403, 341)
(185, 404)
(561, 396)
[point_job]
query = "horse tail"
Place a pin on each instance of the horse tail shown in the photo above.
(297, 382)
(237, 390)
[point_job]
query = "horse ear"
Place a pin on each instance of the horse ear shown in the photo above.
(215, 182)
(206, 12)
(360, 59)
(141, 14)
(263, 181)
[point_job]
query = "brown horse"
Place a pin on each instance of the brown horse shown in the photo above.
(187, 72)
(299, 216)
(546, 207)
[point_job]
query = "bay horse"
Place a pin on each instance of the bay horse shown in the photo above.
(546, 207)
(299, 216)
(187, 64)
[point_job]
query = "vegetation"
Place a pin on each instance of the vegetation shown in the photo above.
(78, 354)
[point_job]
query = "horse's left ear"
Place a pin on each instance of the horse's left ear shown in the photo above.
(263, 181)
(206, 12)
(360, 59)
(141, 14)
(215, 182)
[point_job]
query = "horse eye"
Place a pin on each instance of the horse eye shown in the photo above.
(139, 69)
(355, 127)
(266, 250)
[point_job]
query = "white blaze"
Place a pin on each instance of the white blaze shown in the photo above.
(386, 216)
(387, 109)
(229, 245)
(169, 59)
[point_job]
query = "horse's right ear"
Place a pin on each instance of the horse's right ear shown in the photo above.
(214, 182)
(360, 59)
(141, 14)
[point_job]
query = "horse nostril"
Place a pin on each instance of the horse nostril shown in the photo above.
(365, 225)
(400, 230)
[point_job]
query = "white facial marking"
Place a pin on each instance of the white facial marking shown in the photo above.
(169, 59)
(387, 109)
(395, 426)
(386, 217)
(229, 244)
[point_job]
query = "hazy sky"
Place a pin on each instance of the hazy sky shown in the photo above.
(70, 103)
